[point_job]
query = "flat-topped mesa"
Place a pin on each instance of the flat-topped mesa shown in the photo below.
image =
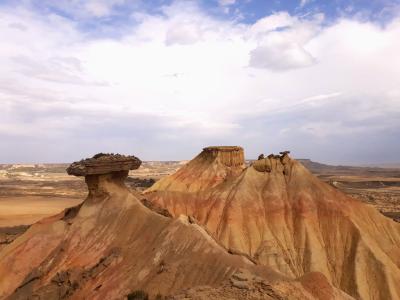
(102, 163)
(230, 156)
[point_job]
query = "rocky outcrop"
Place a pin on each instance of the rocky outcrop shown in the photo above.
(111, 245)
(104, 163)
(284, 217)
(230, 156)
(150, 205)
(264, 164)
(9, 234)
(245, 285)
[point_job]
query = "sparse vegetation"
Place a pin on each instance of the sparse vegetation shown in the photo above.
(138, 295)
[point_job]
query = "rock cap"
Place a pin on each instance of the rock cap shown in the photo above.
(231, 156)
(103, 163)
(223, 148)
(284, 152)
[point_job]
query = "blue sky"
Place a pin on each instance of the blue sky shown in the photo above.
(162, 79)
(246, 11)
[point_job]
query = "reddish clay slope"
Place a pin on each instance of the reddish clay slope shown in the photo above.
(281, 215)
(112, 244)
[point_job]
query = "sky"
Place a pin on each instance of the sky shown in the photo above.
(163, 79)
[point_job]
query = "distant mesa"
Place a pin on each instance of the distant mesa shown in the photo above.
(103, 163)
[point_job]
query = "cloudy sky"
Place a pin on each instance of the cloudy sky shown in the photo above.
(162, 79)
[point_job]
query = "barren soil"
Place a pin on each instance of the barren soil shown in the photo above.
(379, 187)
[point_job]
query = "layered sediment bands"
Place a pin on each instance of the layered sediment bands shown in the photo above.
(263, 165)
(112, 245)
(9, 234)
(213, 166)
(283, 217)
(230, 156)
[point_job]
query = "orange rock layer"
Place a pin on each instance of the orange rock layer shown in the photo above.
(111, 245)
(283, 217)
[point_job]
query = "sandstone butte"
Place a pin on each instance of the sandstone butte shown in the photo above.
(111, 245)
(281, 216)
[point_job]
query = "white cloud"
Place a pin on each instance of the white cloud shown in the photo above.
(85, 8)
(226, 2)
(183, 34)
(321, 97)
(273, 22)
(304, 2)
(98, 9)
(280, 56)
(282, 41)
(55, 80)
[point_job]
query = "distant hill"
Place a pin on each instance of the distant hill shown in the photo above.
(161, 168)
(320, 168)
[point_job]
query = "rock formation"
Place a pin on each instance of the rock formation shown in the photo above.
(230, 156)
(281, 216)
(111, 245)
(9, 234)
(102, 163)
(284, 152)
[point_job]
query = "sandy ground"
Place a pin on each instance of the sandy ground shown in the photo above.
(29, 193)
(25, 210)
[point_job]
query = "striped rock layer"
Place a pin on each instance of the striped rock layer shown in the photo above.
(281, 216)
(111, 245)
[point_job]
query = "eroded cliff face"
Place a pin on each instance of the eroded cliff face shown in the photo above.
(111, 245)
(229, 156)
(283, 217)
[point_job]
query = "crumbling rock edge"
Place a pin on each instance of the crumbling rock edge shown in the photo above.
(102, 163)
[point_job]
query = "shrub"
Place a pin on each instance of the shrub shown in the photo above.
(138, 295)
